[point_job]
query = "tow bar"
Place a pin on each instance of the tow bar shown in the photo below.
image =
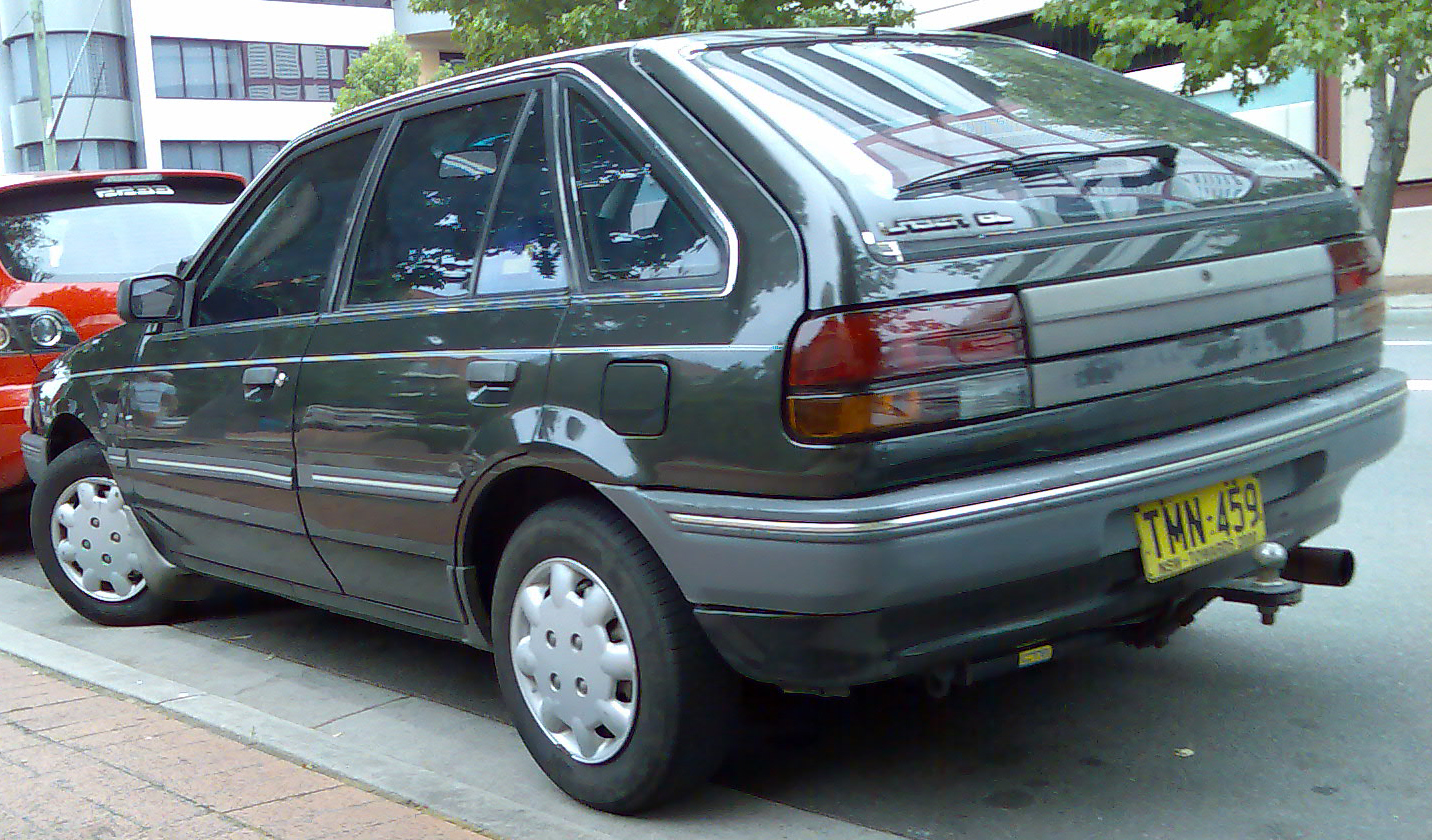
(1267, 590)
(1281, 574)
(1278, 583)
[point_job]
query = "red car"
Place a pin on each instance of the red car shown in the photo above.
(66, 240)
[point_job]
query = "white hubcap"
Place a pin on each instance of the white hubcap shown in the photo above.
(574, 662)
(99, 544)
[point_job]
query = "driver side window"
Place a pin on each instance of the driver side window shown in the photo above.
(279, 261)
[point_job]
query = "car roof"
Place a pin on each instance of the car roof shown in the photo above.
(107, 176)
(665, 44)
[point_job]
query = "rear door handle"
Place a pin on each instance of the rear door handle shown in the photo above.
(264, 377)
(487, 372)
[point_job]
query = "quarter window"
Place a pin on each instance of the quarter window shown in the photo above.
(636, 229)
(523, 251)
(422, 231)
(280, 258)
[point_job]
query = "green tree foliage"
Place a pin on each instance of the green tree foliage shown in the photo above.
(495, 31)
(22, 241)
(1382, 46)
(388, 67)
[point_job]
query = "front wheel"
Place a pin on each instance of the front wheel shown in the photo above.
(613, 687)
(89, 544)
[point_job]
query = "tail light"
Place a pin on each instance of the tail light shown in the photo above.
(895, 369)
(35, 329)
(1357, 281)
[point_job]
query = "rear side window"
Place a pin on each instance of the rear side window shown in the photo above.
(278, 259)
(638, 233)
(89, 232)
(422, 232)
(896, 121)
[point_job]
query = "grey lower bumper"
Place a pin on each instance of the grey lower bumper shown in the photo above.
(1019, 524)
(824, 594)
(32, 449)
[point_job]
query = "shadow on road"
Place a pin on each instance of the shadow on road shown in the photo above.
(15, 521)
(1105, 734)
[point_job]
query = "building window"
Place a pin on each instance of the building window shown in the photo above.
(189, 69)
(452, 58)
(80, 154)
(95, 68)
(245, 158)
(1075, 41)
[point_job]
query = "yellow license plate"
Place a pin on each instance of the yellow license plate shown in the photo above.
(1186, 531)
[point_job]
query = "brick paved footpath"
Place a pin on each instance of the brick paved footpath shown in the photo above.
(78, 764)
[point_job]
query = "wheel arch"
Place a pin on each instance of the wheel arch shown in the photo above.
(493, 514)
(66, 430)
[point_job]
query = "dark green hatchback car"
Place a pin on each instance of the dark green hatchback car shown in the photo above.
(817, 358)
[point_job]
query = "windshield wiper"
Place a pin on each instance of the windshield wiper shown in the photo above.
(1041, 162)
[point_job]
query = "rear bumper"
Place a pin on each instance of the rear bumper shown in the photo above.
(832, 593)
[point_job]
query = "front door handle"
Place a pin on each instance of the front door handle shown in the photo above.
(487, 372)
(264, 377)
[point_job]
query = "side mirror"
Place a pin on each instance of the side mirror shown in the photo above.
(151, 299)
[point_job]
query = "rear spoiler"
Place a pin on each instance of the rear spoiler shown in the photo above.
(85, 190)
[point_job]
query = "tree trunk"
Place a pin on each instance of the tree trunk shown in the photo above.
(1391, 123)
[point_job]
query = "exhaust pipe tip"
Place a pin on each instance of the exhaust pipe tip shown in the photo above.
(1320, 566)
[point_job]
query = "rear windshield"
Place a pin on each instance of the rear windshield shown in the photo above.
(911, 129)
(103, 243)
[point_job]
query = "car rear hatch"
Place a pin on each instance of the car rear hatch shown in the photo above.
(1055, 258)
(66, 241)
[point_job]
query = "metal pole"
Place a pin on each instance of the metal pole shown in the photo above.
(54, 122)
(42, 81)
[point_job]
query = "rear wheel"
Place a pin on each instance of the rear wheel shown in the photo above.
(612, 685)
(89, 544)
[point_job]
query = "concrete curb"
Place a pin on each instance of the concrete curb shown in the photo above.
(459, 765)
(1412, 301)
(478, 808)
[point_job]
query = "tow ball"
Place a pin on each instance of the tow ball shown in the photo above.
(1267, 589)
(1277, 583)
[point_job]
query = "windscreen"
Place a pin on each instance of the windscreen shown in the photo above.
(107, 240)
(958, 139)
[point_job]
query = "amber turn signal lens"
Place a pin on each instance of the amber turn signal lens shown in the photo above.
(828, 417)
(852, 415)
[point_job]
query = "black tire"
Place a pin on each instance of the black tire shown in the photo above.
(79, 462)
(687, 698)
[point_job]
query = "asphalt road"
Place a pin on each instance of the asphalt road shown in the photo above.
(1318, 727)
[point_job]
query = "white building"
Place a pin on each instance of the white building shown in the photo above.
(1306, 109)
(430, 33)
(212, 84)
